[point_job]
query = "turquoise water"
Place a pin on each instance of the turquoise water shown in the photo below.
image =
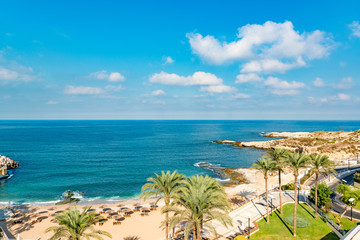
(112, 159)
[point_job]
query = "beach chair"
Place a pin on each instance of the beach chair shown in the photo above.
(101, 223)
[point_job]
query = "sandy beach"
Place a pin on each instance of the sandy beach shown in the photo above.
(146, 227)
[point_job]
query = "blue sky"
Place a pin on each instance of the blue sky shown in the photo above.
(179, 60)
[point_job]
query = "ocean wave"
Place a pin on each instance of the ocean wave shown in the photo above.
(215, 168)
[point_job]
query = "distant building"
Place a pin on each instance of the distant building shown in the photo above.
(3, 172)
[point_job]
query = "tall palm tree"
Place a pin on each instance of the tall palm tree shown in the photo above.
(74, 225)
(279, 156)
(320, 164)
(265, 166)
(200, 200)
(164, 186)
(296, 161)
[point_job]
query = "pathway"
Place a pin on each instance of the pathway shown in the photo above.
(253, 210)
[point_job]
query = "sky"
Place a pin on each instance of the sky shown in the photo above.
(257, 60)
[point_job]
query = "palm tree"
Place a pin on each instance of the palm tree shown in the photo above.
(296, 161)
(320, 164)
(164, 186)
(199, 201)
(131, 238)
(265, 166)
(75, 225)
(279, 156)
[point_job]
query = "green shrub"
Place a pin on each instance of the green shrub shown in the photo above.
(357, 177)
(300, 222)
(323, 193)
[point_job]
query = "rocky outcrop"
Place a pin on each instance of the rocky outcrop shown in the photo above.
(338, 145)
(9, 163)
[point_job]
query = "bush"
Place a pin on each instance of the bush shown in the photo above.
(323, 193)
(300, 222)
(342, 188)
(357, 177)
(289, 186)
(328, 206)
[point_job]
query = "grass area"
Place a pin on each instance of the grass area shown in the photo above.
(346, 224)
(278, 229)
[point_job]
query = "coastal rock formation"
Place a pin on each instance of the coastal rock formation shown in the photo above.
(338, 145)
(9, 163)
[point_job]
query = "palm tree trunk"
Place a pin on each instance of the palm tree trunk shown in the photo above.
(316, 192)
(267, 200)
(281, 210)
(166, 221)
(295, 205)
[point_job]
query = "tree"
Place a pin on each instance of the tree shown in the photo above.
(265, 166)
(296, 161)
(320, 164)
(199, 201)
(74, 225)
(279, 156)
(165, 186)
(342, 188)
(322, 195)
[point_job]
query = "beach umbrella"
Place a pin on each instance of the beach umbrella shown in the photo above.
(18, 237)
(145, 210)
(120, 219)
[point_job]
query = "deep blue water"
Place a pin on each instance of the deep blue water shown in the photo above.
(112, 159)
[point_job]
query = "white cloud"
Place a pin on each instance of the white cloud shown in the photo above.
(282, 87)
(318, 82)
(268, 41)
(345, 83)
(17, 73)
(168, 60)
(217, 89)
(240, 95)
(198, 78)
(341, 97)
(81, 90)
(355, 28)
(116, 77)
(271, 66)
(52, 102)
(251, 77)
(111, 77)
(114, 88)
(157, 92)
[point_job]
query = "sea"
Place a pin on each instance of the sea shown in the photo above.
(111, 160)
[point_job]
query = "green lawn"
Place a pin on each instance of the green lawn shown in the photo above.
(345, 222)
(278, 229)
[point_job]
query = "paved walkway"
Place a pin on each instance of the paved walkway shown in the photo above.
(253, 210)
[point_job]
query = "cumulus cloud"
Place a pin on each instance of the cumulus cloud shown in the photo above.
(282, 87)
(157, 92)
(111, 77)
(355, 28)
(16, 73)
(168, 60)
(318, 82)
(245, 78)
(217, 89)
(341, 97)
(271, 65)
(271, 47)
(81, 90)
(345, 83)
(198, 78)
